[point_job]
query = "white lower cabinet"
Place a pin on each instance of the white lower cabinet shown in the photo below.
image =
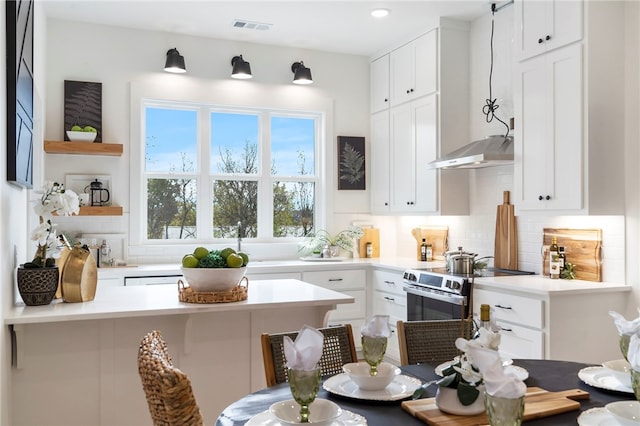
(557, 324)
(388, 298)
(352, 282)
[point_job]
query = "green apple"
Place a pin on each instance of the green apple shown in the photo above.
(90, 129)
(76, 128)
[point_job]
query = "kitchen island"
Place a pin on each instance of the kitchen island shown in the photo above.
(79, 360)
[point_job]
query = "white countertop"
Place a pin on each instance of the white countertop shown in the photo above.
(538, 284)
(145, 301)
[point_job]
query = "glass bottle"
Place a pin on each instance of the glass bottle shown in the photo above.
(423, 250)
(554, 263)
(562, 258)
(485, 316)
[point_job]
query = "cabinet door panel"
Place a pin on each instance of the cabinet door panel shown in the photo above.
(354, 310)
(380, 162)
(425, 119)
(426, 64)
(402, 159)
(401, 74)
(565, 68)
(380, 84)
(519, 342)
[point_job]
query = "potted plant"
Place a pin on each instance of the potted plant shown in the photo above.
(321, 241)
(461, 389)
(38, 279)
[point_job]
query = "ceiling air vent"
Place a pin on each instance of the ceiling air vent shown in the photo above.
(248, 25)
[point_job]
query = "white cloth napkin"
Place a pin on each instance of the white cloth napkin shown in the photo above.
(498, 381)
(633, 354)
(305, 352)
(625, 327)
(376, 326)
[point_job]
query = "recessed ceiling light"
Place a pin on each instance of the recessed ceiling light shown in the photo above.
(379, 13)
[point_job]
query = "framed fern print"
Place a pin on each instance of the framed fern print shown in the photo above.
(351, 162)
(83, 106)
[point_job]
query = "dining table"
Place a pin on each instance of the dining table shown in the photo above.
(551, 375)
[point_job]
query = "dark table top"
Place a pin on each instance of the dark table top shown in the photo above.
(546, 374)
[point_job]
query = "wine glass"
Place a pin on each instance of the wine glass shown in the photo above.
(304, 386)
(373, 349)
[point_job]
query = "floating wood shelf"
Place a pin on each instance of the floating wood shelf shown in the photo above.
(83, 148)
(101, 211)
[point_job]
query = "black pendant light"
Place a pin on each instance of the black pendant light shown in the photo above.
(174, 62)
(302, 74)
(241, 68)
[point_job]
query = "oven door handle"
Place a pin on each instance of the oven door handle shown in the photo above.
(454, 299)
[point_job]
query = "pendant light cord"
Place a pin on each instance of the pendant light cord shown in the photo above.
(490, 107)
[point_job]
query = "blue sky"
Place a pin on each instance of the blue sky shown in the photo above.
(171, 132)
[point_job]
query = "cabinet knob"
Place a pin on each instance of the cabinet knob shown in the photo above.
(548, 197)
(408, 91)
(540, 197)
(386, 204)
(548, 38)
(411, 90)
(540, 41)
(386, 100)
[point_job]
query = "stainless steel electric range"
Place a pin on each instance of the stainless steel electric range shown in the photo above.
(435, 294)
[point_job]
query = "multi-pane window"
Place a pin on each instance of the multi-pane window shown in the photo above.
(211, 173)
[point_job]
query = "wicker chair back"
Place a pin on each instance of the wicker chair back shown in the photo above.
(431, 341)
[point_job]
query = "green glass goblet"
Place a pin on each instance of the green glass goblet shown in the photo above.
(504, 411)
(635, 383)
(304, 388)
(624, 345)
(373, 349)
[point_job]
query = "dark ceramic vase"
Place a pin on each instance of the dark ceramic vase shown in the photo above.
(37, 286)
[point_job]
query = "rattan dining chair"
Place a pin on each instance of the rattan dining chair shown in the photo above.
(167, 389)
(339, 349)
(431, 341)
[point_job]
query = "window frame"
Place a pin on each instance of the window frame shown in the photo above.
(313, 106)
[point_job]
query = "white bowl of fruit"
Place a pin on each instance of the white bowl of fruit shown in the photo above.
(82, 134)
(214, 270)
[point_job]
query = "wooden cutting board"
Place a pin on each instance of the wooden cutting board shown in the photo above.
(505, 254)
(371, 235)
(438, 236)
(583, 248)
(538, 403)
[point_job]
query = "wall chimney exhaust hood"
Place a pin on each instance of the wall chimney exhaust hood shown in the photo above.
(494, 150)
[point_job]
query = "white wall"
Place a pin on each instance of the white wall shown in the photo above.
(116, 56)
(15, 246)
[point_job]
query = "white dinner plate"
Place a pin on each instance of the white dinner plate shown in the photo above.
(400, 388)
(604, 378)
(598, 416)
(347, 418)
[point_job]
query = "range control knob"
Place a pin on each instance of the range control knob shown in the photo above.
(455, 285)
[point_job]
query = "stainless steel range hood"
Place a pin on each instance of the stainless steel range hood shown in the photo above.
(494, 150)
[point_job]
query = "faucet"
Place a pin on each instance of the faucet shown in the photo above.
(239, 237)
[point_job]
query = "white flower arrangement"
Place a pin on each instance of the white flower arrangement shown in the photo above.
(463, 375)
(55, 199)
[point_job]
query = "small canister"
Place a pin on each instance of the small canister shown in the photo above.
(369, 250)
(429, 252)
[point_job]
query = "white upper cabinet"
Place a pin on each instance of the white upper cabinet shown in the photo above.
(414, 69)
(414, 144)
(548, 151)
(542, 26)
(569, 135)
(422, 124)
(380, 84)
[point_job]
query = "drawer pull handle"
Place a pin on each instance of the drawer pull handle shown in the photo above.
(390, 299)
(503, 307)
(391, 283)
(506, 329)
(335, 279)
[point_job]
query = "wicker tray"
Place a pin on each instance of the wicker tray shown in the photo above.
(236, 294)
